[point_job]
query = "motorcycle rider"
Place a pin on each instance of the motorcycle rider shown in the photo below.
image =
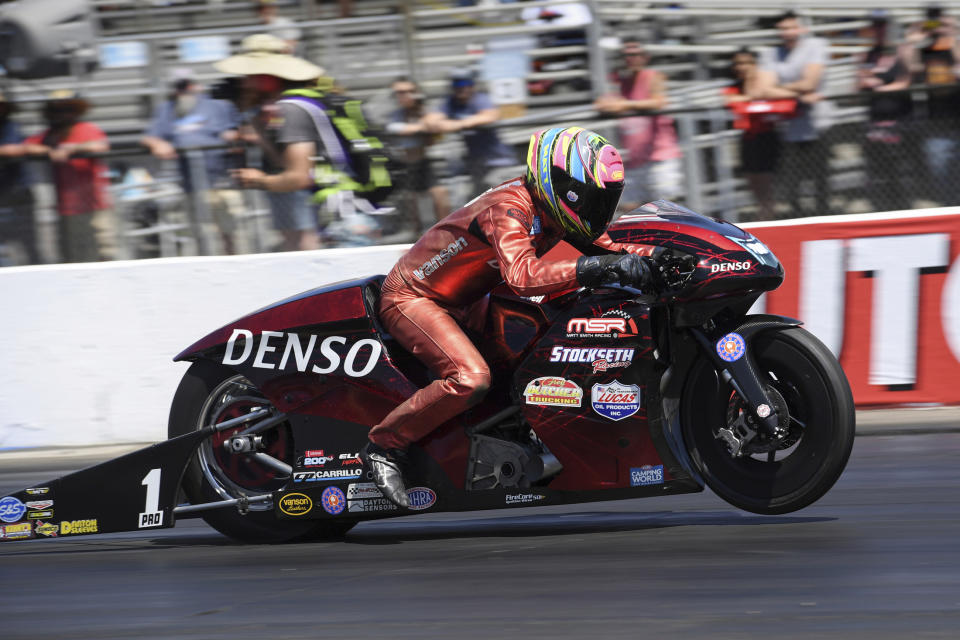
(573, 182)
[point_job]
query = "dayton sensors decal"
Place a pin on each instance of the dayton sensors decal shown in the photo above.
(279, 350)
(551, 391)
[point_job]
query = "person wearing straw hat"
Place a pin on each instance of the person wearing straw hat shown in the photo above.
(86, 230)
(286, 135)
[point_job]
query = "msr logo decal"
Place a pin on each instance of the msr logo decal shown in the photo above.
(361, 358)
(441, 258)
(612, 324)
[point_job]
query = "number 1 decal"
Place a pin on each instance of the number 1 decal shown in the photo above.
(151, 516)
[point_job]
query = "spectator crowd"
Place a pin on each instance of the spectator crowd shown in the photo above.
(328, 173)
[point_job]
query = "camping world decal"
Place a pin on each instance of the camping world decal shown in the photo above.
(615, 401)
(551, 391)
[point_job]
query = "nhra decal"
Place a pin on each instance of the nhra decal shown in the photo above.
(296, 504)
(11, 509)
(558, 392)
(47, 529)
(591, 355)
(731, 347)
(355, 365)
(315, 458)
(717, 267)
(646, 475)
(612, 324)
(16, 531)
(74, 527)
(614, 400)
(333, 500)
(421, 498)
(523, 498)
(441, 258)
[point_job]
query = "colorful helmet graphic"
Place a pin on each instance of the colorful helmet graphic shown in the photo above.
(576, 176)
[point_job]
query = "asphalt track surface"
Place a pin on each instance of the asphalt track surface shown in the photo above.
(878, 557)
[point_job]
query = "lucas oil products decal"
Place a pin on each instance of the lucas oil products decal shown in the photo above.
(558, 392)
(731, 347)
(614, 400)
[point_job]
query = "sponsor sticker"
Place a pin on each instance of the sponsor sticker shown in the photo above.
(731, 347)
(38, 491)
(523, 498)
(287, 351)
(606, 365)
(47, 528)
(333, 500)
(614, 400)
(46, 514)
(370, 505)
(349, 458)
(551, 391)
(150, 519)
(315, 458)
(421, 498)
(592, 355)
(363, 490)
(38, 504)
(441, 258)
(296, 504)
(718, 267)
(646, 475)
(612, 324)
(16, 531)
(75, 527)
(11, 509)
(353, 473)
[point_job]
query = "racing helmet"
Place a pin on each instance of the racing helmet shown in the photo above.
(576, 177)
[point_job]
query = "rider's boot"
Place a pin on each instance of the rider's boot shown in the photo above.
(387, 474)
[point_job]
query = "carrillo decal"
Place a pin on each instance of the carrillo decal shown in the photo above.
(279, 350)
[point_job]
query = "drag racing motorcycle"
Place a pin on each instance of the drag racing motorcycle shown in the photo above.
(599, 394)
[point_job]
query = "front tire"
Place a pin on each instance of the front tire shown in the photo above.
(210, 392)
(781, 477)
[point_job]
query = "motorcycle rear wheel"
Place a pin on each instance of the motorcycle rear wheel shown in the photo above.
(208, 390)
(801, 370)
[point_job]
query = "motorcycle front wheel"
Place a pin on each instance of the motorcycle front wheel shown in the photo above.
(210, 393)
(804, 381)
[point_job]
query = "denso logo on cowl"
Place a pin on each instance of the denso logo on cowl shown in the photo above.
(295, 353)
(717, 267)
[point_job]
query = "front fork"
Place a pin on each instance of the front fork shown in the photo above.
(737, 368)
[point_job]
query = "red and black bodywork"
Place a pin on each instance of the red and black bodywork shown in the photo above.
(597, 375)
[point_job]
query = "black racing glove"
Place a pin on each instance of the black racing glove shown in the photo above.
(628, 269)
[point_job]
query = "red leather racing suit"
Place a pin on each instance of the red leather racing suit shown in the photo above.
(498, 236)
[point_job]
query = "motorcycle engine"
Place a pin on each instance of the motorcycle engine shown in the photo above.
(496, 463)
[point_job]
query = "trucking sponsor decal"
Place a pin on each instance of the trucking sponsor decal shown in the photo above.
(615, 401)
(280, 350)
(333, 500)
(441, 258)
(421, 498)
(315, 458)
(11, 509)
(592, 355)
(523, 498)
(612, 324)
(47, 529)
(646, 475)
(328, 475)
(296, 504)
(76, 527)
(16, 531)
(731, 347)
(551, 391)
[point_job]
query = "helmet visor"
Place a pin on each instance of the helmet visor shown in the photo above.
(592, 204)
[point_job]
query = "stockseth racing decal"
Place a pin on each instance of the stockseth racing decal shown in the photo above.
(558, 392)
(731, 347)
(361, 357)
(593, 355)
(646, 475)
(333, 500)
(614, 400)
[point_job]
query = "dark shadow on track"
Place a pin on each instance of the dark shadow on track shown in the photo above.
(558, 525)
